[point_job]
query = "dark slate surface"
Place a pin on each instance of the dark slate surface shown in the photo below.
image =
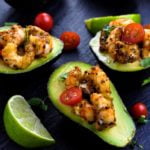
(69, 15)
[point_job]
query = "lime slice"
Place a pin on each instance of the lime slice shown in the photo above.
(96, 24)
(23, 126)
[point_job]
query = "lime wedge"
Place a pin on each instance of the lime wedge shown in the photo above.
(23, 126)
(96, 24)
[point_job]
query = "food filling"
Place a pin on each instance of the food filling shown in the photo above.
(125, 41)
(88, 94)
(21, 46)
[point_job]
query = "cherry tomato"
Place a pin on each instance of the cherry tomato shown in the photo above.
(138, 110)
(71, 96)
(71, 40)
(133, 33)
(146, 26)
(44, 21)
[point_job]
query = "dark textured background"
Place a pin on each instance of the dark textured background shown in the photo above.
(70, 15)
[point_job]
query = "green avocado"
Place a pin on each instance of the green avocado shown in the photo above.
(108, 61)
(96, 24)
(57, 50)
(119, 135)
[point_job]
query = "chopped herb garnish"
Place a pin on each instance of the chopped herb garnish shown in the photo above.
(35, 101)
(10, 23)
(107, 29)
(145, 62)
(63, 76)
(142, 120)
(146, 81)
(134, 144)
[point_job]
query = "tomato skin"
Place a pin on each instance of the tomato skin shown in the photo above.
(71, 40)
(133, 33)
(71, 96)
(44, 21)
(138, 110)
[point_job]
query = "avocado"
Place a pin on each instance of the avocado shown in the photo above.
(96, 24)
(57, 50)
(108, 61)
(119, 135)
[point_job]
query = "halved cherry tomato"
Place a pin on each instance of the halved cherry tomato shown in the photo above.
(44, 21)
(138, 110)
(133, 33)
(71, 96)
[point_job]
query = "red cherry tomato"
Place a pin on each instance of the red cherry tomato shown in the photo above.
(133, 33)
(44, 21)
(138, 110)
(71, 96)
(71, 40)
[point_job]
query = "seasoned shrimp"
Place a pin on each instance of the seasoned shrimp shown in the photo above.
(146, 44)
(38, 40)
(85, 110)
(15, 35)
(100, 81)
(121, 22)
(14, 60)
(118, 50)
(73, 78)
(105, 111)
(105, 118)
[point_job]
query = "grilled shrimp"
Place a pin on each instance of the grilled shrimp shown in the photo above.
(121, 22)
(73, 78)
(39, 41)
(14, 60)
(99, 101)
(15, 35)
(100, 81)
(105, 118)
(85, 110)
(105, 114)
(146, 44)
(120, 51)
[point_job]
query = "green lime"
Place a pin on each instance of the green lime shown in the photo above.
(23, 126)
(96, 24)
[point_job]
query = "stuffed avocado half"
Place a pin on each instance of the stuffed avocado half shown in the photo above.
(7, 68)
(121, 42)
(107, 118)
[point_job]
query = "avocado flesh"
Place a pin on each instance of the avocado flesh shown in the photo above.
(57, 50)
(106, 59)
(119, 135)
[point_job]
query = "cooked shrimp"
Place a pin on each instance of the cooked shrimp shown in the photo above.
(121, 22)
(105, 118)
(14, 60)
(120, 51)
(99, 101)
(73, 78)
(105, 111)
(100, 81)
(38, 40)
(15, 35)
(146, 44)
(85, 110)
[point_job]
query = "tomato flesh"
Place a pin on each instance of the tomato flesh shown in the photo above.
(44, 21)
(71, 96)
(133, 33)
(138, 110)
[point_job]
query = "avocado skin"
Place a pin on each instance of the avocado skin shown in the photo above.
(108, 61)
(120, 135)
(56, 51)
